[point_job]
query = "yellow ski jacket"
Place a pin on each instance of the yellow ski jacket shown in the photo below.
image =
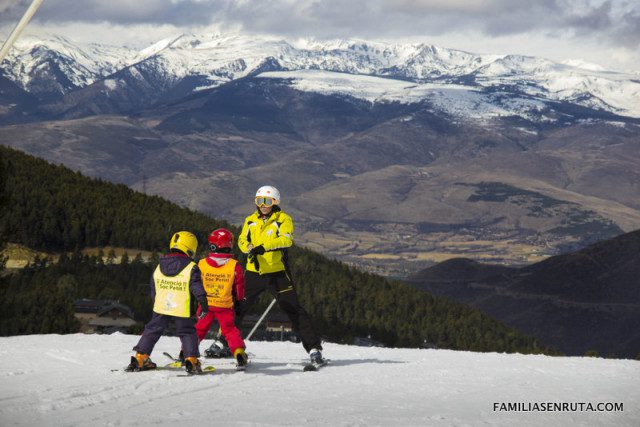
(274, 233)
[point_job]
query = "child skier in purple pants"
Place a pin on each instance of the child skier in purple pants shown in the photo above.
(174, 283)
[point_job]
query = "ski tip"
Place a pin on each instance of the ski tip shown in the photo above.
(207, 370)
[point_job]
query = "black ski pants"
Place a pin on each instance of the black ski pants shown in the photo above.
(281, 287)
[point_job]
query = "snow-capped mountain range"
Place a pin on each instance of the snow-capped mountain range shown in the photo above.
(456, 82)
(414, 124)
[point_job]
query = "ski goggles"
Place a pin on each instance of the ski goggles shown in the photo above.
(265, 201)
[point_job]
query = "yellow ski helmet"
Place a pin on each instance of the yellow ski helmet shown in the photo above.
(185, 242)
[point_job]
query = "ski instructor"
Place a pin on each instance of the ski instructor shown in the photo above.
(265, 237)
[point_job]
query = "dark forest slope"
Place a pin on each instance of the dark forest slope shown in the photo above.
(581, 301)
(54, 209)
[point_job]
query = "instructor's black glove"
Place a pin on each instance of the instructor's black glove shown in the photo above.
(204, 308)
(239, 306)
(256, 250)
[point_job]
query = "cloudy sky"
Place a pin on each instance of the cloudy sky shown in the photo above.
(597, 31)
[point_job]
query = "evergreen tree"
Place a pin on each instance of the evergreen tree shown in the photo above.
(3, 207)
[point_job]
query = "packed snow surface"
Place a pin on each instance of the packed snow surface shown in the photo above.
(76, 380)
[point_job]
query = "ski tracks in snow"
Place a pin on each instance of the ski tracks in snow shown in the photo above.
(68, 380)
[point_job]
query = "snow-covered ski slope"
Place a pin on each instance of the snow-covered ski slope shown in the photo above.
(68, 380)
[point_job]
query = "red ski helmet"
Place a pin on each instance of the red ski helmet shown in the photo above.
(220, 238)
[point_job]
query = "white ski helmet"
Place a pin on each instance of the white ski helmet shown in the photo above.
(269, 191)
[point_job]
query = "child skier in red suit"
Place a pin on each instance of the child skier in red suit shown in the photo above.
(223, 279)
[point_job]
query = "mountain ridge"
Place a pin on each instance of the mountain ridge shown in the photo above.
(580, 301)
(221, 58)
(505, 157)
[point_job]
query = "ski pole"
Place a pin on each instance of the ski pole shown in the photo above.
(248, 337)
(19, 27)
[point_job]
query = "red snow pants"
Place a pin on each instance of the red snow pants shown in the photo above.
(226, 320)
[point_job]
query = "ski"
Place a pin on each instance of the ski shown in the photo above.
(171, 357)
(207, 370)
(168, 367)
(175, 365)
(312, 367)
(173, 368)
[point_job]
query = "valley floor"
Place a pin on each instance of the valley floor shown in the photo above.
(69, 380)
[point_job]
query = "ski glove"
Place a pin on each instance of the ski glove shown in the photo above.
(256, 250)
(239, 306)
(204, 308)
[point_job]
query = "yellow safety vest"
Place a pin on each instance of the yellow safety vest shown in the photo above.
(173, 296)
(218, 282)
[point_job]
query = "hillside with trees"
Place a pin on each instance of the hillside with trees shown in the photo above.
(53, 209)
(583, 302)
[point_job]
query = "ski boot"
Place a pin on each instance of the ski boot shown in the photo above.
(217, 350)
(317, 360)
(192, 365)
(140, 362)
(316, 357)
(242, 360)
